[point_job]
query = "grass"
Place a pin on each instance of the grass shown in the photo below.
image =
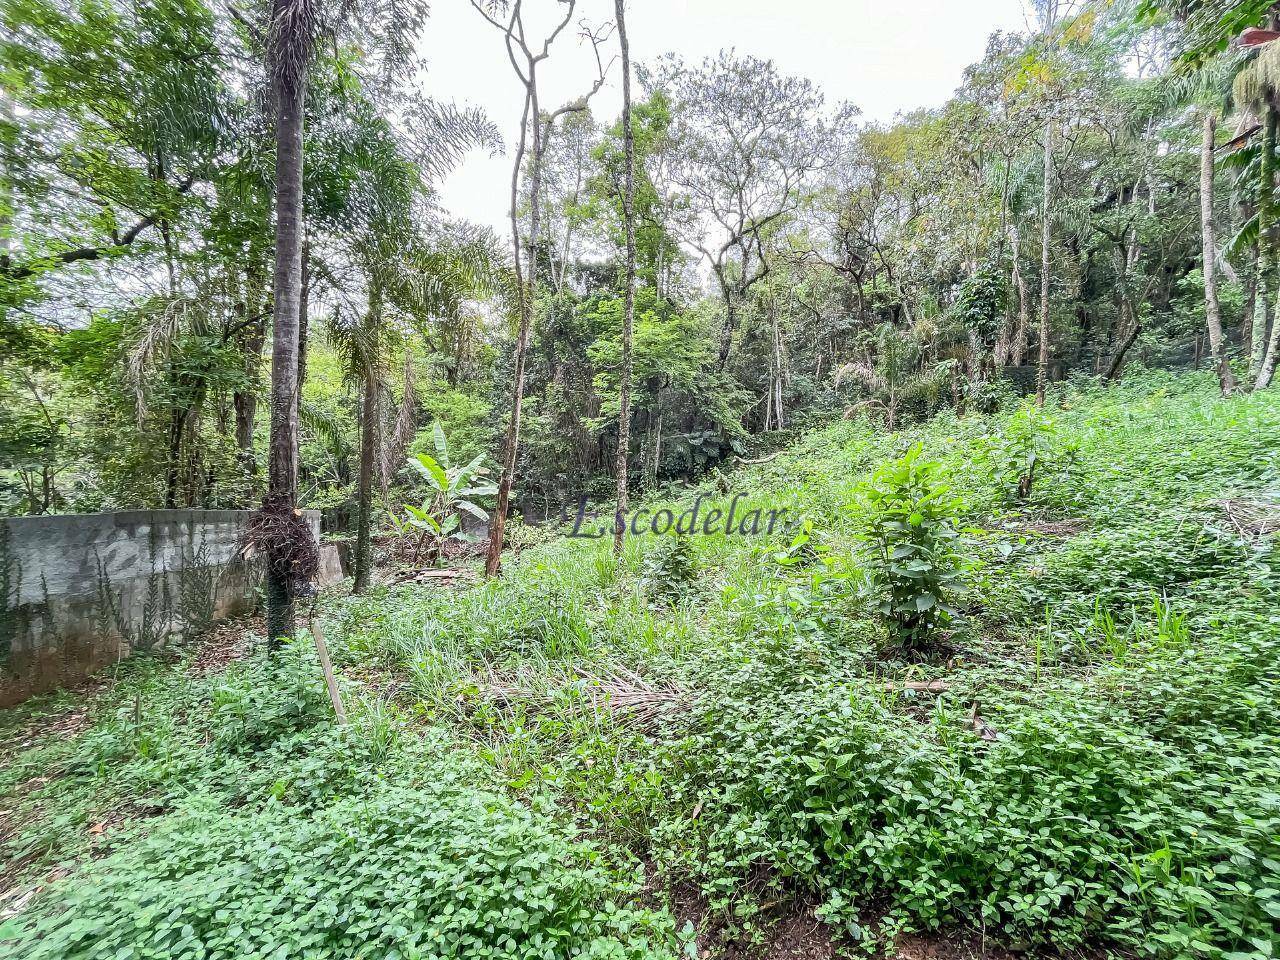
(1093, 767)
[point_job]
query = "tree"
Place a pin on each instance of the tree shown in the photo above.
(508, 17)
(419, 282)
(749, 143)
(288, 52)
(629, 294)
(1049, 16)
(1209, 248)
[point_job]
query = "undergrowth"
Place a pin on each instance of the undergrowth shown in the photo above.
(1084, 754)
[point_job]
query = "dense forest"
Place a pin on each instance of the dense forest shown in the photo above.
(1095, 195)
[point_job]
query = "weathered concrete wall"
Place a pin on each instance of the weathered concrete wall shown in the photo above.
(82, 591)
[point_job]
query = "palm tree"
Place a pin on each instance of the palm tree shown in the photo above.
(417, 284)
(288, 52)
(1207, 88)
(1257, 85)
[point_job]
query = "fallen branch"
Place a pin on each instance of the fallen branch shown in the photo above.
(746, 462)
(921, 686)
(623, 693)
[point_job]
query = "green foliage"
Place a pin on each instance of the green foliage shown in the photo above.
(1086, 816)
(1022, 448)
(911, 522)
(414, 873)
(669, 569)
(980, 304)
(1092, 768)
(467, 421)
(455, 488)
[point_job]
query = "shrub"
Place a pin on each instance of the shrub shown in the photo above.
(1112, 807)
(1019, 451)
(911, 522)
(669, 569)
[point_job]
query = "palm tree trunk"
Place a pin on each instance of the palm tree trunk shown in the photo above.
(289, 48)
(1250, 280)
(629, 294)
(8, 116)
(1209, 247)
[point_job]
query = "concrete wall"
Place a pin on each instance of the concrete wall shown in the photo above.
(82, 591)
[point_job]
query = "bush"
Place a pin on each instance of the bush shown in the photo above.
(1110, 808)
(911, 523)
(669, 569)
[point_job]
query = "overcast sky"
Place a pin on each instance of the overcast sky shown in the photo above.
(869, 52)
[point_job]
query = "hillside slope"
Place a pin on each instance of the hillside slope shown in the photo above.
(565, 761)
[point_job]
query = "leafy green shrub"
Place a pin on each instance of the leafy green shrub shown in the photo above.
(980, 303)
(256, 704)
(911, 522)
(1111, 808)
(1018, 451)
(401, 874)
(669, 569)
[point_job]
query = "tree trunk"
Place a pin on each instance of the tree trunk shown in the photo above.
(1264, 303)
(289, 48)
(8, 116)
(1123, 347)
(368, 444)
(1209, 247)
(629, 294)
(173, 465)
(1018, 350)
(730, 318)
(304, 314)
(1250, 280)
(526, 288)
(1046, 231)
(251, 341)
(1130, 318)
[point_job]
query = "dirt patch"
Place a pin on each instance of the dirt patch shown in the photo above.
(1252, 517)
(797, 934)
(1058, 529)
(225, 643)
(956, 946)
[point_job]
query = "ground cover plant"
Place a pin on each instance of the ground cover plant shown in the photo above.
(1082, 757)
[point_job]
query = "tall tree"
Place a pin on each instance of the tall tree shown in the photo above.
(750, 142)
(1209, 253)
(288, 52)
(1050, 17)
(525, 58)
(629, 294)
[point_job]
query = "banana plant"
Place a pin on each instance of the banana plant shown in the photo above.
(453, 491)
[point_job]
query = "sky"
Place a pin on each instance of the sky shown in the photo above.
(872, 53)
